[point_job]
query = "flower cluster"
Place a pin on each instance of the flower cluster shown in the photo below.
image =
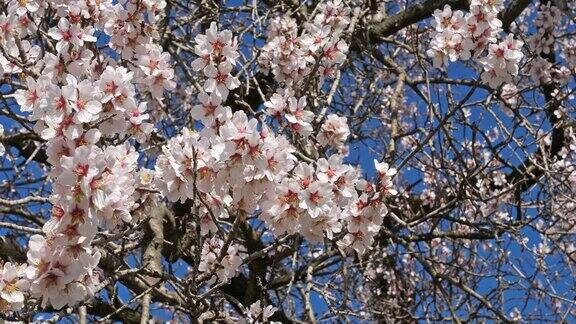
(217, 55)
(292, 57)
(71, 35)
(62, 272)
(366, 213)
(236, 164)
(80, 100)
(12, 287)
(132, 30)
(502, 61)
(510, 96)
(256, 314)
(459, 36)
(232, 160)
(290, 111)
(130, 24)
(154, 74)
(312, 201)
(64, 110)
(548, 18)
(541, 70)
(223, 264)
(93, 188)
(450, 42)
(86, 105)
(334, 132)
(569, 53)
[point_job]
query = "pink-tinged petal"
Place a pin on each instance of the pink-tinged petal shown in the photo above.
(232, 83)
(92, 136)
(69, 92)
(55, 33)
(198, 64)
(222, 90)
(88, 38)
(210, 85)
(94, 107)
(84, 116)
(21, 11)
(71, 80)
(63, 24)
(215, 100)
(48, 133)
(99, 199)
(291, 118)
(61, 46)
(68, 178)
(230, 53)
(210, 71)
(225, 67)
(212, 32)
(21, 97)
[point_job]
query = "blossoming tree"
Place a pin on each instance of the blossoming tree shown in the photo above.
(287, 161)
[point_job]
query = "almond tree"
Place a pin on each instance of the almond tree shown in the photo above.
(287, 161)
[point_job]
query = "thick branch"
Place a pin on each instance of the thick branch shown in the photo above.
(422, 11)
